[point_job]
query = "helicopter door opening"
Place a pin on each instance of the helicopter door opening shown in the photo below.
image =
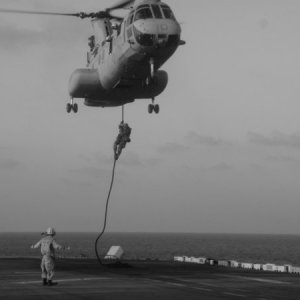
(129, 31)
(109, 34)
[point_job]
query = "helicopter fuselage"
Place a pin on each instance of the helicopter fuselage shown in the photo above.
(123, 63)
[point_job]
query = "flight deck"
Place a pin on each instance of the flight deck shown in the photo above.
(20, 278)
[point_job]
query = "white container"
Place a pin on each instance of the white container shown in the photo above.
(280, 269)
(196, 260)
(115, 252)
(202, 260)
(213, 262)
(188, 259)
(246, 265)
(269, 267)
(223, 263)
(179, 258)
(257, 266)
(234, 264)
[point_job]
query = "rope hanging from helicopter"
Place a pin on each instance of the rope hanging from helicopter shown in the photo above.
(122, 139)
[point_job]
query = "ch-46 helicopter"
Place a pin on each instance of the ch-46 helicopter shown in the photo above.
(125, 54)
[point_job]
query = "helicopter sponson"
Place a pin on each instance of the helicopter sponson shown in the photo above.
(85, 83)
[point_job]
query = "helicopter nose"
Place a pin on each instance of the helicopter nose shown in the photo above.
(157, 33)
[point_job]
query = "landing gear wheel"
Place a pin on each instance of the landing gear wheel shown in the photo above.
(156, 108)
(150, 108)
(75, 108)
(69, 107)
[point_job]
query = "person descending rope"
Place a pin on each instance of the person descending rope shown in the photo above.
(122, 139)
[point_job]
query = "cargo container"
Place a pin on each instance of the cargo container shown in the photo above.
(114, 253)
(269, 267)
(199, 260)
(212, 262)
(246, 265)
(187, 259)
(280, 269)
(202, 260)
(234, 264)
(257, 266)
(223, 263)
(179, 258)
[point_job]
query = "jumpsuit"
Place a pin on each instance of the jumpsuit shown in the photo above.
(48, 246)
(122, 138)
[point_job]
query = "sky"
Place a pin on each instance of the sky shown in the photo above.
(222, 156)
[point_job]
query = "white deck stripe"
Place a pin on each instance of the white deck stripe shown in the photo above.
(27, 272)
(175, 284)
(201, 289)
(233, 294)
(66, 280)
(259, 279)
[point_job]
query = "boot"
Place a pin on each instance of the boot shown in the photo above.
(50, 282)
(45, 281)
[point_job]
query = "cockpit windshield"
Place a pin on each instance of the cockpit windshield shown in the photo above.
(143, 13)
(156, 11)
(167, 12)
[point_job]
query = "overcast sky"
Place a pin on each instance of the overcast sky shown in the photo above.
(223, 155)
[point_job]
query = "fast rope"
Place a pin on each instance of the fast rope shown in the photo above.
(122, 139)
(106, 209)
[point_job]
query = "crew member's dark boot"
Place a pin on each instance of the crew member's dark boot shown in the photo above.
(45, 281)
(50, 282)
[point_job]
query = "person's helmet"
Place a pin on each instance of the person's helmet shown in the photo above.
(50, 231)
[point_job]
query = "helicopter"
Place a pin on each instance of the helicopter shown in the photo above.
(124, 55)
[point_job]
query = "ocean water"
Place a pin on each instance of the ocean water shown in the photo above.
(279, 249)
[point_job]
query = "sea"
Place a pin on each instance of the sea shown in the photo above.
(253, 248)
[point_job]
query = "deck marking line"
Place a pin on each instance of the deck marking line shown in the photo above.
(66, 280)
(260, 279)
(176, 284)
(96, 278)
(27, 272)
(233, 294)
(209, 284)
(201, 289)
(154, 280)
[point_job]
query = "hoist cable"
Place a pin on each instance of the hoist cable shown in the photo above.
(106, 210)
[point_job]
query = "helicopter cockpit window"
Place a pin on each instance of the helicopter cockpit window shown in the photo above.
(143, 13)
(168, 12)
(156, 11)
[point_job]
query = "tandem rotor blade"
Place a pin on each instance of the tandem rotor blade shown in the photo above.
(16, 11)
(121, 4)
(101, 14)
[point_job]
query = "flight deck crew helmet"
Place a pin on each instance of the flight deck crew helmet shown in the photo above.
(50, 231)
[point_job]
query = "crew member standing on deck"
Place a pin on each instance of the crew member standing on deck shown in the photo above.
(48, 246)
